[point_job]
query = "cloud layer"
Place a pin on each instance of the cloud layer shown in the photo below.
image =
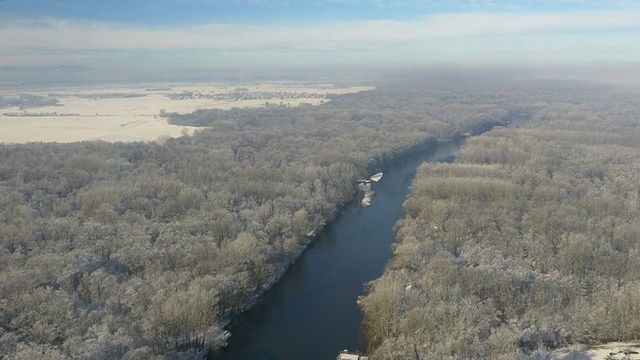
(479, 37)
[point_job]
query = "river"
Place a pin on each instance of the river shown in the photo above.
(311, 313)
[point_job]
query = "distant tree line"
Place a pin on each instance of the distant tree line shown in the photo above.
(528, 243)
(114, 95)
(28, 101)
(241, 93)
(41, 113)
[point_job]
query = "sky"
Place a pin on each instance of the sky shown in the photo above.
(218, 34)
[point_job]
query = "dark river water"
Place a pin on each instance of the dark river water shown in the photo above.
(311, 313)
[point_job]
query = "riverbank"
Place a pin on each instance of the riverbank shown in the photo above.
(431, 148)
(312, 312)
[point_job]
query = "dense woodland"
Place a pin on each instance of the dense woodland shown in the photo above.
(145, 250)
(529, 242)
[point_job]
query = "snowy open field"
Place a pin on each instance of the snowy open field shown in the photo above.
(95, 113)
(610, 351)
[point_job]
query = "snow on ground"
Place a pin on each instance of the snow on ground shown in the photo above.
(610, 351)
(81, 117)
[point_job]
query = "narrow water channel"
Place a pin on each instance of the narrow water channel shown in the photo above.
(311, 313)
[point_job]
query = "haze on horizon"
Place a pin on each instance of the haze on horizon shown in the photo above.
(246, 34)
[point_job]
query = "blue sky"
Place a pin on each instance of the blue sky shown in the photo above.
(298, 33)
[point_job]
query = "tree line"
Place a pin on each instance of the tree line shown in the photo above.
(27, 101)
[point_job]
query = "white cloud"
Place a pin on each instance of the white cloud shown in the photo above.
(492, 31)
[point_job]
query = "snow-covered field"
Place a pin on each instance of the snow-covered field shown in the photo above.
(610, 351)
(104, 117)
